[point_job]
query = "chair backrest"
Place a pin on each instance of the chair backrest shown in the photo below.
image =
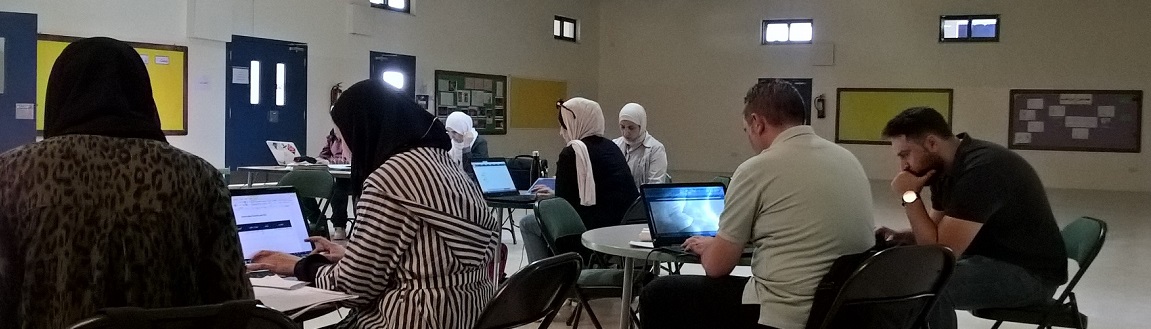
(1083, 239)
(310, 183)
(561, 225)
(534, 292)
(636, 213)
(894, 288)
(521, 169)
(240, 314)
(722, 179)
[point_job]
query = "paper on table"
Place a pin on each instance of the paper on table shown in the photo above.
(1027, 115)
(1080, 133)
(1035, 127)
(1082, 122)
(1107, 111)
(277, 282)
(1022, 138)
(1034, 103)
(289, 300)
(1057, 110)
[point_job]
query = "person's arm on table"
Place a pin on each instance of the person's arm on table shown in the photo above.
(720, 255)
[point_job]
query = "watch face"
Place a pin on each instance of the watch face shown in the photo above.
(910, 196)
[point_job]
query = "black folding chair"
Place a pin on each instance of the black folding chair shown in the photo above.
(536, 291)
(240, 314)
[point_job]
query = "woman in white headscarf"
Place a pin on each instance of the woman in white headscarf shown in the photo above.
(467, 144)
(645, 155)
(591, 174)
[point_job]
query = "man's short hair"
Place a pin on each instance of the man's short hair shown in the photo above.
(916, 123)
(775, 100)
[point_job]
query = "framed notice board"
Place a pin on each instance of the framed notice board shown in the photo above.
(1076, 120)
(481, 96)
(861, 113)
(167, 68)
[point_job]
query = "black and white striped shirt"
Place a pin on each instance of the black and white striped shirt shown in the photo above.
(420, 248)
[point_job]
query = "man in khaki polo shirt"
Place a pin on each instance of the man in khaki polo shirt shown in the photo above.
(801, 203)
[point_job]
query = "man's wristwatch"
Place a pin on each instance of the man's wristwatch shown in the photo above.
(910, 197)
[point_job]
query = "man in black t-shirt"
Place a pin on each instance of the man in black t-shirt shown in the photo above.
(987, 205)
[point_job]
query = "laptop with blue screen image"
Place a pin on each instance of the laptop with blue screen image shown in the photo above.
(270, 219)
(679, 211)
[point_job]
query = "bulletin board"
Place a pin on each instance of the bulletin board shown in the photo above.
(532, 103)
(167, 67)
(1076, 120)
(481, 96)
(861, 113)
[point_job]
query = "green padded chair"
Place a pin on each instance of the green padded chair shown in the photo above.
(312, 185)
(562, 229)
(1083, 239)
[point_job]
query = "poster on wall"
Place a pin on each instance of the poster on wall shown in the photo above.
(1076, 120)
(472, 94)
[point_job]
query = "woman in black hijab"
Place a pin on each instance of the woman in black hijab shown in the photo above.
(423, 232)
(103, 212)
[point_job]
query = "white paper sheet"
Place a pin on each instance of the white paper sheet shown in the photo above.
(442, 85)
(1035, 127)
(290, 300)
(1075, 99)
(1022, 138)
(1057, 110)
(25, 111)
(499, 89)
(447, 99)
(463, 98)
(1080, 133)
(1107, 111)
(240, 75)
(1035, 103)
(1082, 122)
(1027, 115)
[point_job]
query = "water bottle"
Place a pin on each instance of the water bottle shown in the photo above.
(536, 170)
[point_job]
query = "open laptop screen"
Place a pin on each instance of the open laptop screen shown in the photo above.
(684, 210)
(493, 176)
(270, 219)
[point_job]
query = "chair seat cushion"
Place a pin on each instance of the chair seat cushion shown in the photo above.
(1057, 315)
(600, 278)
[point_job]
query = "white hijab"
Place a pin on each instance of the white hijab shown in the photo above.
(462, 124)
(584, 119)
(635, 113)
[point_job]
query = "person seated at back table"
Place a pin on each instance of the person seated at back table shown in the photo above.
(591, 174)
(802, 202)
(645, 155)
(104, 212)
(987, 205)
(336, 152)
(467, 144)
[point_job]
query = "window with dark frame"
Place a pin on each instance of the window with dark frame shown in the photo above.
(403, 6)
(969, 28)
(786, 31)
(564, 28)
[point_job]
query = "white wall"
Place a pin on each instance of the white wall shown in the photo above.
(690, 65)
(493, 37)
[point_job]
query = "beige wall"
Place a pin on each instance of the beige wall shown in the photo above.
(494, 37)
(690, 64)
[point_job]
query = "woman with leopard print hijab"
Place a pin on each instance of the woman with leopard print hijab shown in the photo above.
(103, 212)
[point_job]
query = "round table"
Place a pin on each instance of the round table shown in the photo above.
(614, 240)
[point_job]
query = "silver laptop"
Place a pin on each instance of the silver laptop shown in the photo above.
(285, 152)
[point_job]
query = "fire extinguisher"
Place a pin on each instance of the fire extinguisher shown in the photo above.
(335, 93)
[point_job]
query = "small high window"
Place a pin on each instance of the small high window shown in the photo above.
(786, 31)
(564, 28)
(969, 28)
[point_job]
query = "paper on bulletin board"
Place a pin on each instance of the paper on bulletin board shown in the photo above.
(442, 85)
(1057, 110)
(1035, 127)
(1082, 122)
(1027, 115)
(1034, 103)
(448, 99)
(499, 89)
(1022, 138)
(162, 60)
(1075, 99)
(1080, 133)
(463, 98)
(1107, 111)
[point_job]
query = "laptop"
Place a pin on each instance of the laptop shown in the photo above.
(550, 182)
(270, 219)
(285, 152)
(679, 211)
(496, 181)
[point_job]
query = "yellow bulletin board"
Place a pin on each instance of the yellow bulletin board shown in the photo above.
(533, 102)
(861, 113)
(167, 67)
